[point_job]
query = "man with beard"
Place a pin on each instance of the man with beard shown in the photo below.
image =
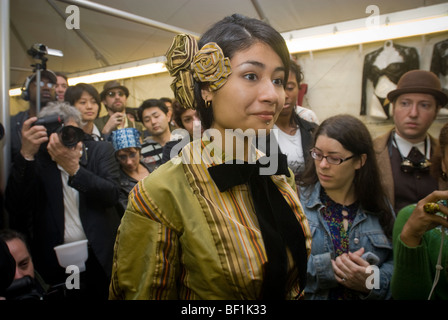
(29, 93)
(114, 97)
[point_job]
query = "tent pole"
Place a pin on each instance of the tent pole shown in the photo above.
(260, 11)
(98, 54)
(128, 16)
(5, 155)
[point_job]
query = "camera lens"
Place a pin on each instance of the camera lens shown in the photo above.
(70, 136)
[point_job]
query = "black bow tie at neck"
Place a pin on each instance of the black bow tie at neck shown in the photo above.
(415, 156)
(279, 226)
(230, 174)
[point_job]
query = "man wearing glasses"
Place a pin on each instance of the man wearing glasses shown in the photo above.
(29, 93)
(114, 97)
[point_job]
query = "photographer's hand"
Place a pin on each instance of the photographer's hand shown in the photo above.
(67, 158)
(32, 138)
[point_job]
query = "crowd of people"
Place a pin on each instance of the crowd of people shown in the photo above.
(176, 198)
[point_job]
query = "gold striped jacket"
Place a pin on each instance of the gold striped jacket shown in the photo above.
(181, 238)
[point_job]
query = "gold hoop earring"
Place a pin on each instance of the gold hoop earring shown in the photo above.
(208, 104)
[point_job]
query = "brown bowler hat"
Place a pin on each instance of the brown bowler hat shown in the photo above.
(112, 85)
(419, 81)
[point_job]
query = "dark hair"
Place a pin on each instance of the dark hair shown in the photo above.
(74, 93)
(166, 99)
(297, 71)
(235, 33)
(60, 74)
(354, 136)
(132, 111)
(437, 156)
(178, 111)
(10, 234)
(149, 103)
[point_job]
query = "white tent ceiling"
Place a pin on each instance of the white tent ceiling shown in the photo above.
(116, 40)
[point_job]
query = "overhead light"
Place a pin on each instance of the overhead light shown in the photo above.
(123, 71)
(55, 52)
(402, 24)
(106, 75)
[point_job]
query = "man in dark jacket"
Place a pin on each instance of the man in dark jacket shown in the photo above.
(60, 191)
(29, 93)
(404, 152)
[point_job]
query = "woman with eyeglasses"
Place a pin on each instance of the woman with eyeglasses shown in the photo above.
(348, 213)
(127, 147)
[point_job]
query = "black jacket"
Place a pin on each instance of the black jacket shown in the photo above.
(34, 201)
(306, 134)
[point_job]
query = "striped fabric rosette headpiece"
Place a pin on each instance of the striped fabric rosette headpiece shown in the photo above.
(186, 63)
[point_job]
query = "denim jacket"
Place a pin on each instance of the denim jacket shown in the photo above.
(365, 232)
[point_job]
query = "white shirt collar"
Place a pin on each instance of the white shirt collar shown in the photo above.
(405, 146)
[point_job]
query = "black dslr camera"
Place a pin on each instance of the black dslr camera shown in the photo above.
(25, 288)
(69, 135)
(30, 289)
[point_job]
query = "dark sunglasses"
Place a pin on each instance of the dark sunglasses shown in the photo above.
(114, 93)
(124, 157)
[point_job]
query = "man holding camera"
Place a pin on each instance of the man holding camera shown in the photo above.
(64, 187)
(29, 93)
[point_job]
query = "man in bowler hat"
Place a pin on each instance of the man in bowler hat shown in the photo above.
(404, 152)
(114, 97)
